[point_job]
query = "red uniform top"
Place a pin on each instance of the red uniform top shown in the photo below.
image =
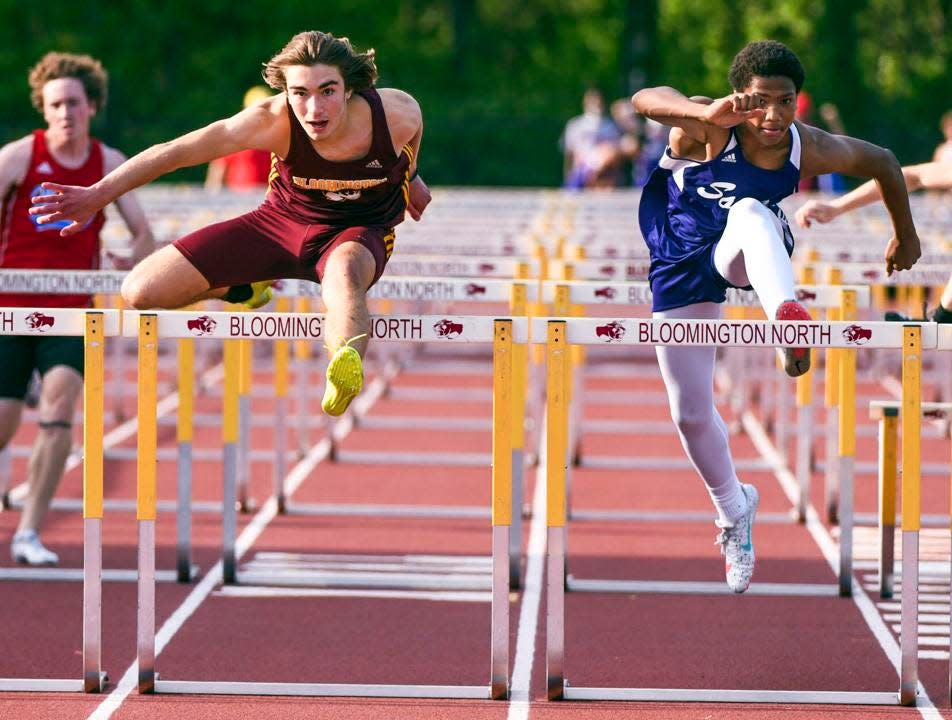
(373, 190)
(246, 169)
(26, 244)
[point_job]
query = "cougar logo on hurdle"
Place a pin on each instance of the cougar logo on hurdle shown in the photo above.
(803, 295)
(39, 321)
(202, 325)
(472, 289)
(612, 332)
(606, 292)
(856, 335)
(448, 329)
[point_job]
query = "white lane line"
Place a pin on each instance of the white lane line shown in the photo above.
(184, 611)
(757, 434)
(531, 597)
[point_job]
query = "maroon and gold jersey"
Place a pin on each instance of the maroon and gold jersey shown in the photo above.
(373, 190)
(24, 243)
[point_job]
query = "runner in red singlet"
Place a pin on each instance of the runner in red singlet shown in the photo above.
(344, 174)
(68, 90)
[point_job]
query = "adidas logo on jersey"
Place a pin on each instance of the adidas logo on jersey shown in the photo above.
(374, 164)
(44, 168)
(729, 158)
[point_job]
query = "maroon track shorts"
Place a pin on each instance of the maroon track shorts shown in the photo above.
(267, 245)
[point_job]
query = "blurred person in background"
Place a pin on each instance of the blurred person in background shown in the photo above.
(590, 146)
(925, 176)
(943, 151)
(246, 169)
(629, 124)
(68, 90)
(345, 175)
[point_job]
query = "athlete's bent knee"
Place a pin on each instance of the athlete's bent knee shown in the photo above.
(135, 294)
(748, 207)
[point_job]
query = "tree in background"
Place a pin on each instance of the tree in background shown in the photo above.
(497, 78)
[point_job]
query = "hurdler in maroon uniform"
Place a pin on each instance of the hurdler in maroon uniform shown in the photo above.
(313, 205)
(343, 174)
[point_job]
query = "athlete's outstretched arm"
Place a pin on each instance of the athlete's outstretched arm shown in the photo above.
(927, 176)
(824, 153)
(262, 126)
(695, 116)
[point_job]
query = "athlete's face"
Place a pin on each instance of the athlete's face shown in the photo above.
(778, 98)
(66, 108)
(318, 98)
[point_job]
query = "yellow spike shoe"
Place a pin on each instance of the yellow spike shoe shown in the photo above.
(345, 378)
(260, 294)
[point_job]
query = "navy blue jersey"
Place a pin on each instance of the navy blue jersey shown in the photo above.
(683, 213)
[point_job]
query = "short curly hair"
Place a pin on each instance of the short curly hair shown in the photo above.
(54, 65)
(359, 70)
(766, 58)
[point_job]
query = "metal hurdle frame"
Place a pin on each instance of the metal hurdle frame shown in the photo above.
(515, 293)
(568, 295)
(95, 327)
(504, 333)
(562, 333)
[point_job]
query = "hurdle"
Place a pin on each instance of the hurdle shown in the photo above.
(94, 327)
(503, 333)
(841, 334)
(515, 294)
(609, 294)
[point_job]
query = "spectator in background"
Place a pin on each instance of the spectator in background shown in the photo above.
(68, 90)
(831, 182)
(245, 169)
(628, 123)
(805, 115)
(943, 152)
(590, 146)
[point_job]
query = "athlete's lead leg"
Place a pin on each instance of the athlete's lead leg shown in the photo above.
(347, 275)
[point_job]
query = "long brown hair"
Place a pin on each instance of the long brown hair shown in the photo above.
(54, 65)
(313, 47)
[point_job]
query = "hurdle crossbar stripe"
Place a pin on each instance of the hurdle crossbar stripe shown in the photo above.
(736, 333)
(310, 326)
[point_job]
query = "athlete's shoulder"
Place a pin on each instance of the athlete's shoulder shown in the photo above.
(15, 159)
(111, 157)
(400, 105)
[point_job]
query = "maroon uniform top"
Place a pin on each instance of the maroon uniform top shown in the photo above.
(24, 243)
(372, 190)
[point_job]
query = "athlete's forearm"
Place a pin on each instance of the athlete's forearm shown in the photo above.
(869, 192)
(892, 186)
(143, 244)
(667, 106)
